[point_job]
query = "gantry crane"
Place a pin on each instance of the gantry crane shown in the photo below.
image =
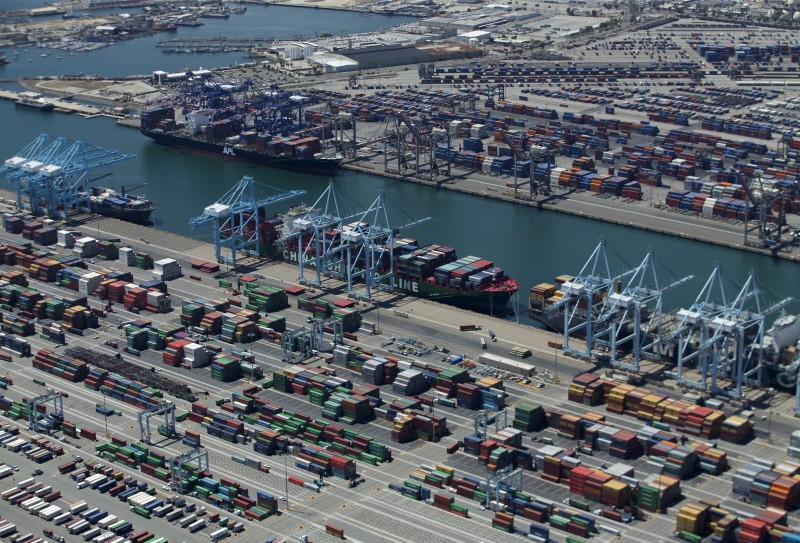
(57, 415)
(725, 339)
(177, 470)
(236, 219)
(426, 141)
(305, 233)
(692, 329)
(369, 244)
(582, 298)
(737, 343)
(167, 409)
(635, 315)
(533, 154)
(764, 198)
(356, 248)
(269, 110)
(498, 91)
(53, 174)
(307, 341)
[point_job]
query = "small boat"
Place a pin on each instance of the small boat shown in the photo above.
(126, 207)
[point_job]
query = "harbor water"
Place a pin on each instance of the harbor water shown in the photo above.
(532, 245)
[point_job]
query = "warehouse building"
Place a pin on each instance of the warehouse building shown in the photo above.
(332, 62)
(383, 56)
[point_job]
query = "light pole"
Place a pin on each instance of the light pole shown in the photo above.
(555, 364)
(771, 392)
(286, 473)
(105, 413)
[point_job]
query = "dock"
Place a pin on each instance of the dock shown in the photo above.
(66, 106)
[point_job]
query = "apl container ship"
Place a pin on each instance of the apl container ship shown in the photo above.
(430, 271)
(226, 134)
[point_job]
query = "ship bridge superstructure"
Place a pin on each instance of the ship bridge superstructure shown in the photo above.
(52, 175)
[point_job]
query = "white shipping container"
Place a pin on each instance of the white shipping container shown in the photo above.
(26, 483)
(89, 512)
(30, 502)
(16, 445)
(94, 532)
(78, 527)
(50, 513)
(187, 520)
(77, 507)
(219, 534)
(44, 491)
(62, 518)
(38, 507)
(107, 521)
(138, 495)
(7, 529)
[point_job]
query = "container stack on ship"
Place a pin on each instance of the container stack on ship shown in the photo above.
(243, 123)
(429, 271)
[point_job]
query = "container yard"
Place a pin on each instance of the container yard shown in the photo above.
(556, 453)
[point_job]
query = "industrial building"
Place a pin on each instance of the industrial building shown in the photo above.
(477, 35)
(383, 56)
(332, 62)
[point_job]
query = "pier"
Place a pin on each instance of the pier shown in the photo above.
(65, 105)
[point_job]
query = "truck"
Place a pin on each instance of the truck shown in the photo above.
(469, 327)
(105, 411)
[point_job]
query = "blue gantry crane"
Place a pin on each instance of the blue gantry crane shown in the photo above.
(723, 338)
(270, 109)
(370, 243)
(237, 218)
(582, 298)
(52, 175)
(634, 318)
(304, 232)
(359, 252)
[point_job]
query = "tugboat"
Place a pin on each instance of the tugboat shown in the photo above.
(120, 205)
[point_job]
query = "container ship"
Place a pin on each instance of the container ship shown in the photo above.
(431, 271)
(126, 207)
(544, 295)
(240, 133)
